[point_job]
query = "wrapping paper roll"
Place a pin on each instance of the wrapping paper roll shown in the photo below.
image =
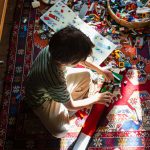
(89, 127)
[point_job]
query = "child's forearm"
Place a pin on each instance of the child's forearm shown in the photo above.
(101, 98)
(79, 104)
(106, 73)
(94, 67)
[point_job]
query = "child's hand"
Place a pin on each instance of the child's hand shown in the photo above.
(108, 75)
(103, 98)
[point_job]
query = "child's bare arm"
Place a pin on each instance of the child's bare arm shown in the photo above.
(101, 98)
(107, 74)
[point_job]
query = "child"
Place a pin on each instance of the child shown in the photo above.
(54, 94)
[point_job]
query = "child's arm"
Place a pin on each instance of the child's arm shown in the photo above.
(107, 74)
(99, 98)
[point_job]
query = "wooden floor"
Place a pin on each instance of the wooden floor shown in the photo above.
(4, 43)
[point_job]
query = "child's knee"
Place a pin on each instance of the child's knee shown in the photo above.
(85, 74)
(60, 132)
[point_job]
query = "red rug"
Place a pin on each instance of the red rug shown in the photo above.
(126, 123)
(119, 129)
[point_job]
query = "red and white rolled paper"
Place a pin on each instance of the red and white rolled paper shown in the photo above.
(89, 127)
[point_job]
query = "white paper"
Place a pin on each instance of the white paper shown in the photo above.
(60, 16)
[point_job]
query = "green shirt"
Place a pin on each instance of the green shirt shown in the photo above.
(45, 81)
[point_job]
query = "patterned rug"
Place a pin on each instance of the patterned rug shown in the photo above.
(19, 127)
(126, 124)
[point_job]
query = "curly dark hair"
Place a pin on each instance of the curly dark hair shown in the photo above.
(70, 46)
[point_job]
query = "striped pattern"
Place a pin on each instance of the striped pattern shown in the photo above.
(45, 80)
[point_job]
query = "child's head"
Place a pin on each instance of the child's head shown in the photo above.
(70, 46)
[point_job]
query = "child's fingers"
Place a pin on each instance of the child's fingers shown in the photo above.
(104, 103)
(109, 79)
(107, 105)
(108, 93)
(107, 100)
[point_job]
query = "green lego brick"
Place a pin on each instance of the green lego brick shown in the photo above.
(117, 77)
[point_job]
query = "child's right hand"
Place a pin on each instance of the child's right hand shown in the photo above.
(103, 98)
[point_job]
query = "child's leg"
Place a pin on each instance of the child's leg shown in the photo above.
(54, 117)
(78, 82)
